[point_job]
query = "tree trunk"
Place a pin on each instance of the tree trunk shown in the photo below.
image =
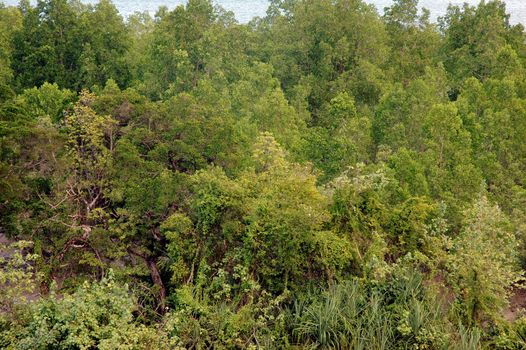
(156, 277)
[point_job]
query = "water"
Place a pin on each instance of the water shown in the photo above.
(247, 9)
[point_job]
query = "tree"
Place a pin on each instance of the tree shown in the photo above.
(28, 148)
(402, 110)
(483, 262)
(258, 97)
(492, 112)
(105, 49)
(473, 38)
(10, 22)
(414, 40)
(268, 222)
(49, 45)
(450, 171)
(409, 172)
(66, 221)
(342, 138)
(48, 101)
(70, 44)
(323, 40)
(176, 54)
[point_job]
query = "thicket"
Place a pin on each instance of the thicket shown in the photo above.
(323, 177)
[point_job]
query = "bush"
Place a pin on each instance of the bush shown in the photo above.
(96, 316)
(200, 321)
(395, 313)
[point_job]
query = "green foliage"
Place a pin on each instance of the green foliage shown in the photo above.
(177, 51)
(513, 336)
(48, 101)
(27, 149)
(17, 276)
(202, 321)
(105, 47)
(10, 23)
(414, 40)
(469, 339)
(340, 140)
(313, 179)
(483, 263)
(473, 51)
(97, 315)
(270, 220)
(395, 313)
(70, 44)
(325, 40)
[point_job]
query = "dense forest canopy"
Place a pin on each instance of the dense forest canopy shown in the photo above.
(323, 177)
